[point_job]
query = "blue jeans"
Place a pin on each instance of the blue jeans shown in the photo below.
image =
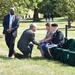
(47, 52)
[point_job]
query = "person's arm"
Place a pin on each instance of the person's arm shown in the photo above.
(4, 24)
(48, 39)
(16, 24)
(59, 39)
(32, 37)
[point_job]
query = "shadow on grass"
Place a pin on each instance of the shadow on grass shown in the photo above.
(4, 57)
(51, 60)
(37, 58)
(59, 63)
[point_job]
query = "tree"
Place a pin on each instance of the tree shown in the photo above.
(3, 8)
(33, 4)
(19, 5)
(48, 6)
(67, 8)
(61, 7)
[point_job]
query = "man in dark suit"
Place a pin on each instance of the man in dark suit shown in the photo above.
(52, 16)
(49, 16)
(57, 39)
(24, 42)
(10, 25)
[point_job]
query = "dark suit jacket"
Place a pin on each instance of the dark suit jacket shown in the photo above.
(58, 38)
(15, 24)
(27, 37)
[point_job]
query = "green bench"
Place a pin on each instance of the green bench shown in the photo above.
(66, 54)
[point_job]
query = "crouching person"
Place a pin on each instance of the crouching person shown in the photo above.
(24, 42)
(56, 41)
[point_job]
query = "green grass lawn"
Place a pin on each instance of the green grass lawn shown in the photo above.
(36, 65)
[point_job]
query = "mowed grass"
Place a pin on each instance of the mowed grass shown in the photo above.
(35, 65)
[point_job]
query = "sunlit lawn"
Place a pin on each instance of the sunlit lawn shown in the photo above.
(36, 65)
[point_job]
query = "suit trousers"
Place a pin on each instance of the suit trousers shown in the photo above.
(10, 41)
(28, 50)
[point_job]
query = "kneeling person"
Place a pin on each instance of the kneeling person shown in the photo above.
(24, 43)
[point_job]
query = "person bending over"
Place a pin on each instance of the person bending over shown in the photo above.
(24, 42)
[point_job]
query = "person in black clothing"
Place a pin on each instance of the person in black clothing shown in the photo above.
(24, 42)
(57, 39)
(48, 16)
(10, 26)
(52, 16)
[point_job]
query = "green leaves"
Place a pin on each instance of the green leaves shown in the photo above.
(62, 7)
(21, 6)
(47, 6)
(67, 7)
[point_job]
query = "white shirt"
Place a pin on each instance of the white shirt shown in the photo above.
(11, 21)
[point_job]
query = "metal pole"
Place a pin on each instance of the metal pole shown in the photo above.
(66, 31)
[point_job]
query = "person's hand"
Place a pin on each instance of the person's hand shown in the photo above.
(45, 40)
(9, 30)
(38, 47)
(41, 41)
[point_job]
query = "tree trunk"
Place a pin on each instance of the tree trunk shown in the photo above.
(69, 24)
(35, 16)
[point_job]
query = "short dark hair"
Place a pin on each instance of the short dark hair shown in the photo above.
(47, 24)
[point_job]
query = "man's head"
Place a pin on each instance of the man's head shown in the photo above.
(12, 11)
(53, 27)
(33, 27)
(48, 26)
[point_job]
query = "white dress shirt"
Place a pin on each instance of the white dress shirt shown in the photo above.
(11, 21)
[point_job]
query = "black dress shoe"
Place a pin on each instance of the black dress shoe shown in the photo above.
(20, 56)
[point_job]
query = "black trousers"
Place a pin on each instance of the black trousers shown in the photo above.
(10, 41)
(25, 53)
(28, 50)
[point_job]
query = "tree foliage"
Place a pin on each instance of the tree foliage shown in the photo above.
(62, 7)
(67, 7)
(19, 5)
(47, 6)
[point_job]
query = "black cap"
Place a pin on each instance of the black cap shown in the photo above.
(54, 25)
